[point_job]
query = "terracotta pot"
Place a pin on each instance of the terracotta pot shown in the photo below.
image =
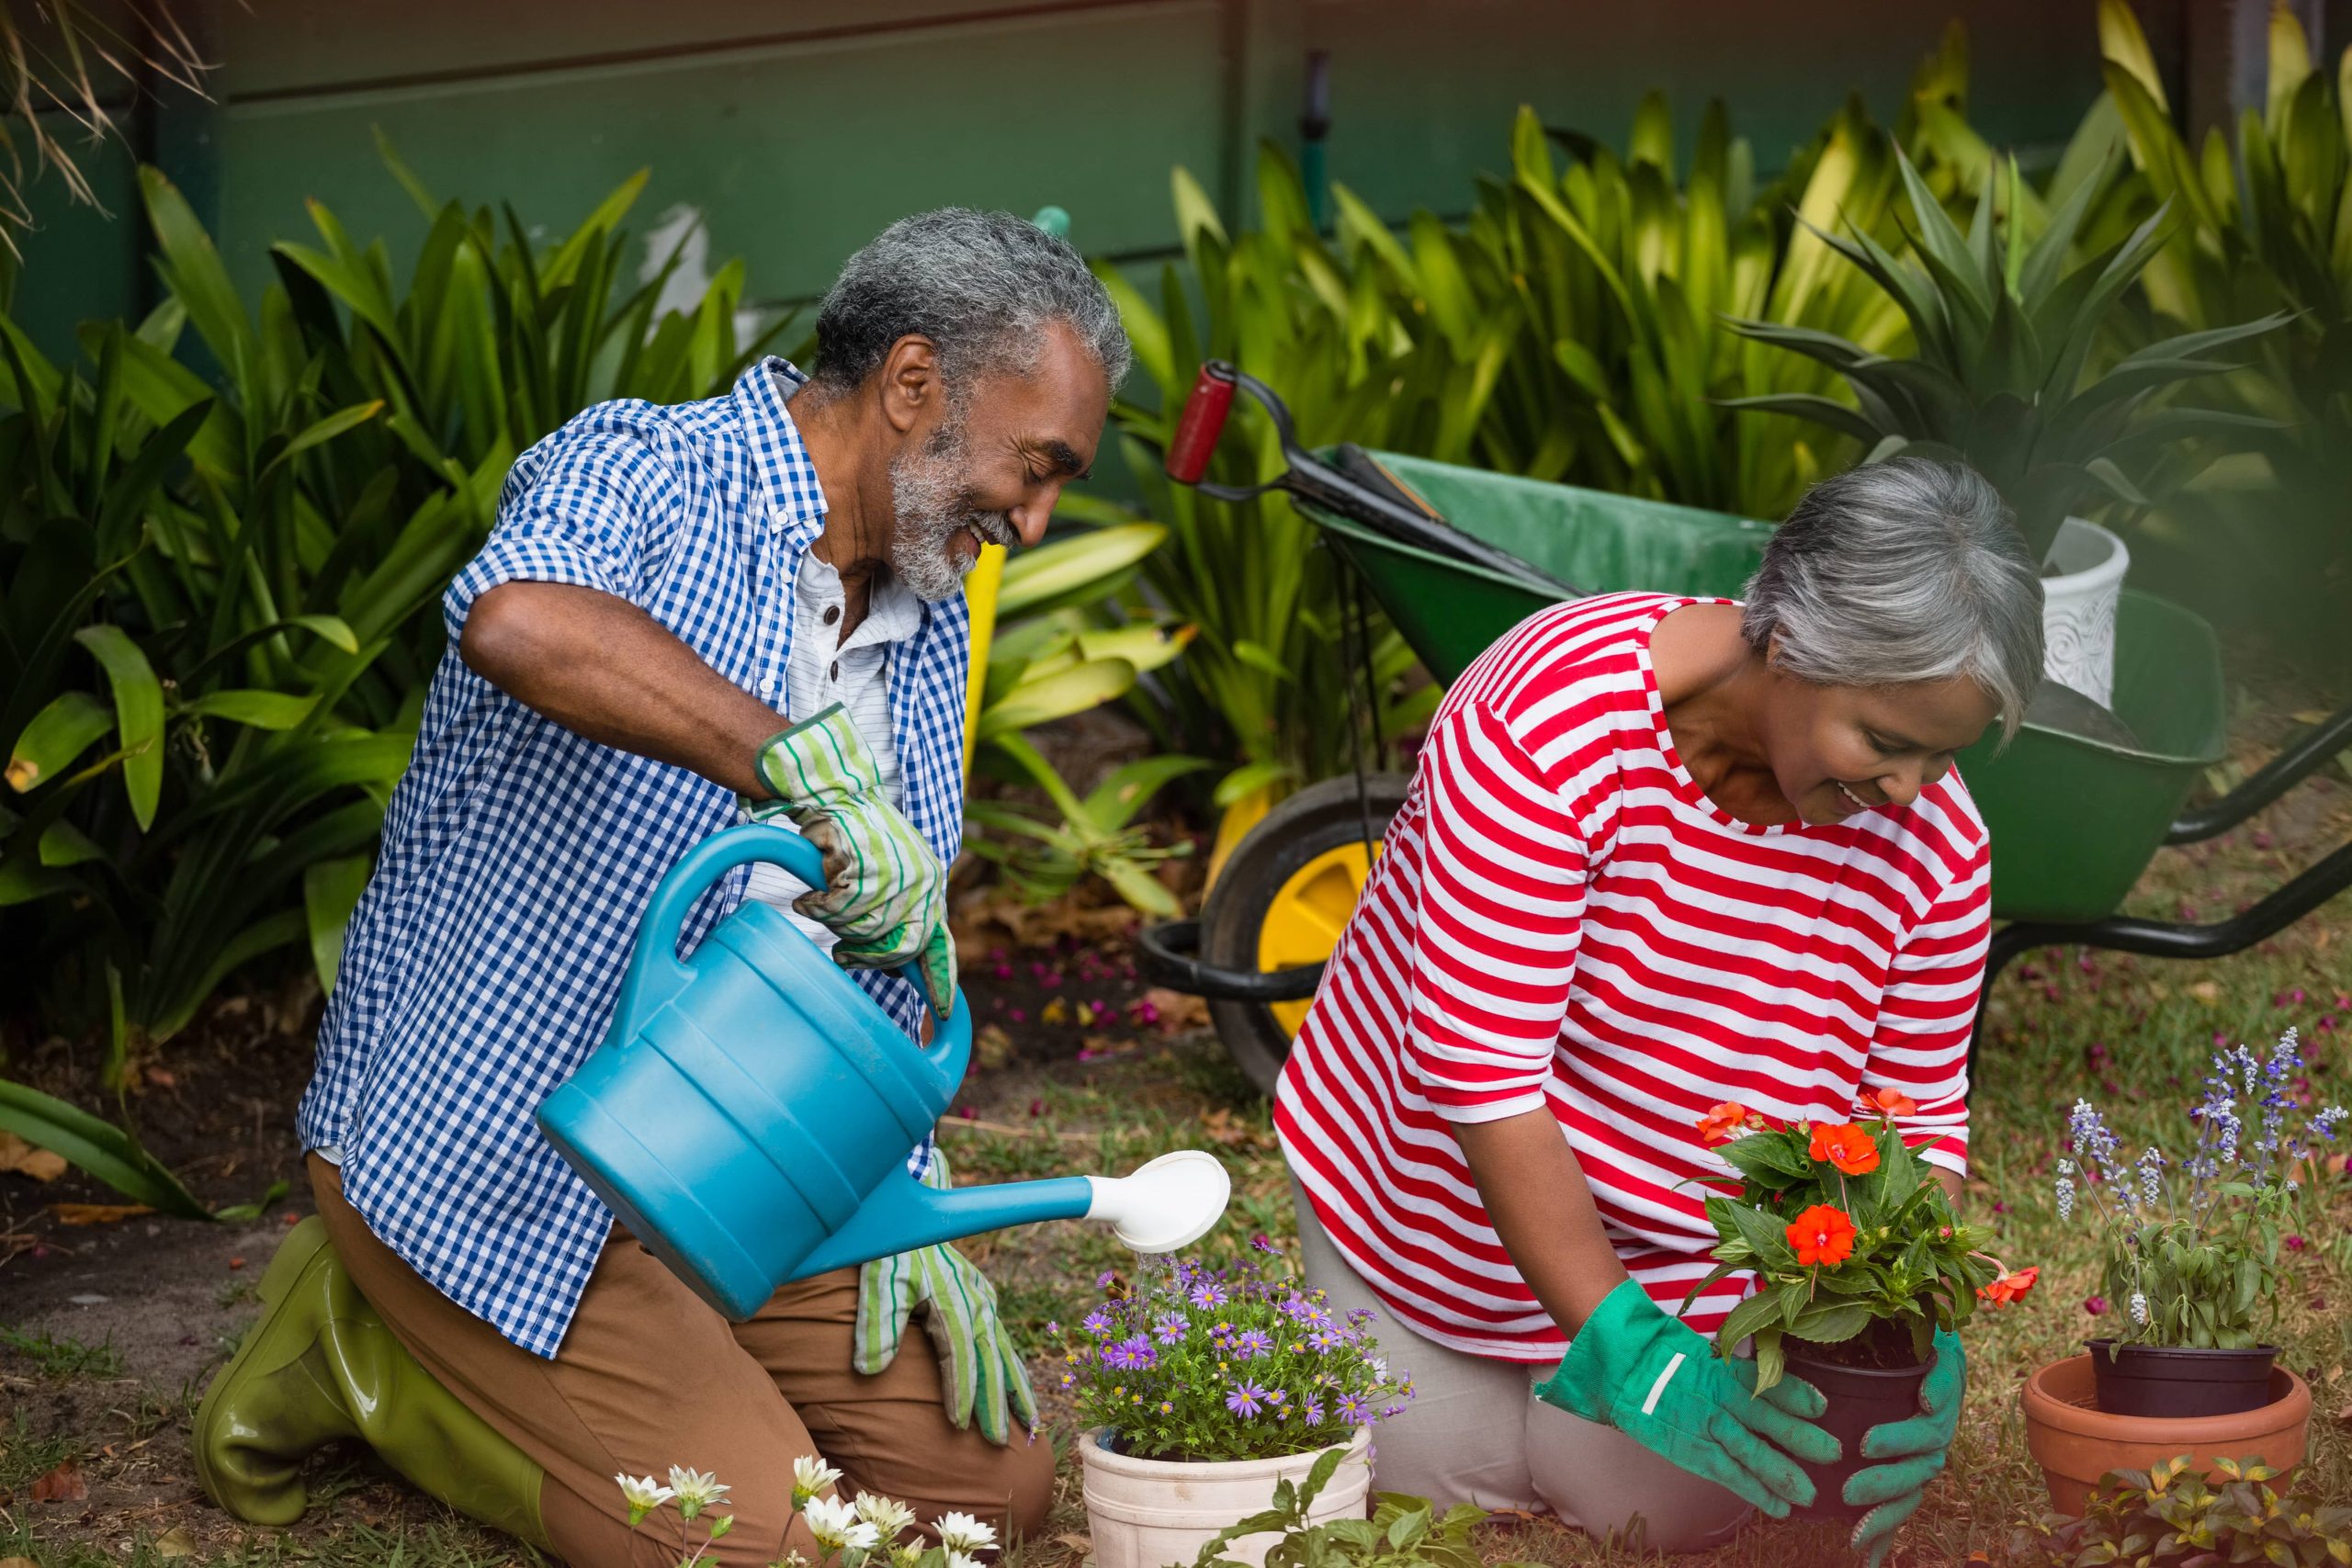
(1860, 1398)
(2075, 1442)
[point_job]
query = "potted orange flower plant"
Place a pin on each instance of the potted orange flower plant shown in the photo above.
(1857, 1260)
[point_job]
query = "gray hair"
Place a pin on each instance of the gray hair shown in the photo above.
(1900, 571)
(983, 287)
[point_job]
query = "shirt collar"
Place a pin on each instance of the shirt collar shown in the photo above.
(785, 469)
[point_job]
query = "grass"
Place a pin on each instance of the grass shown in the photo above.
(63, 1358)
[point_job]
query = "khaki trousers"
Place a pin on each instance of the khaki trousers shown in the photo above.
(648, 1377)
(1476, 1433)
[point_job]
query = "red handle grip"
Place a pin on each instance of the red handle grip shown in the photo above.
(1203, 422)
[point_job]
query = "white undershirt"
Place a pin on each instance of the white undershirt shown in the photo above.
(821, 670)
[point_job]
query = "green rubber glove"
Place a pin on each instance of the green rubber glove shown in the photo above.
(1916, 1447)
(886, 894)
(1654, 1379)
(980, 1370)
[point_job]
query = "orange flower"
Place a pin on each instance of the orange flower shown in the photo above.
(2010, 1288)
(1891, 1102)
(1848, 1147)
(1722, 1124)
(1822, 1235)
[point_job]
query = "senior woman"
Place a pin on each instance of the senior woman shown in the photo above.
(1660, 853)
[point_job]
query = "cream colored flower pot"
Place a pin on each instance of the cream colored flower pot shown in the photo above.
(2078, 600)
(1148, 1513)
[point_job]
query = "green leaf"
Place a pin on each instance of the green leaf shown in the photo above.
(139, 716)
(262, 710)
(1827, 1323)
(1251, 777)
(1261, 659)
(1033, 701)
(1115, 802)
(58, 734)
(1034, 579)
(98, 1147)
(331, 890)
(245, 1213)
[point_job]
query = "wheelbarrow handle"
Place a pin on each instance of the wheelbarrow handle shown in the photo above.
(1202, 423)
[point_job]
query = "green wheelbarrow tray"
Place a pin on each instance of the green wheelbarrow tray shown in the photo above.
(2074, 820)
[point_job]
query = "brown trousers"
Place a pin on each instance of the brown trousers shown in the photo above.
(648, 1377)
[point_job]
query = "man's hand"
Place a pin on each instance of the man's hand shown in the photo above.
(885, 894)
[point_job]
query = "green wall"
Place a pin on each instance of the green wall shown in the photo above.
(797, 127)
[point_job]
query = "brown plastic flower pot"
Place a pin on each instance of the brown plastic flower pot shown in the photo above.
(2075, 1442)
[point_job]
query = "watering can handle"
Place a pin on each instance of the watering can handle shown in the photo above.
(656, 973)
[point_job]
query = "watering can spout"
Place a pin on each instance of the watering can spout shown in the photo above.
(1168, 1204)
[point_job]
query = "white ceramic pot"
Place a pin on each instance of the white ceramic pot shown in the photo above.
(1148, 1513)
(2085, 569)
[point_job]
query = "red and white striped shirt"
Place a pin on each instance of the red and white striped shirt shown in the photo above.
(1560, 917)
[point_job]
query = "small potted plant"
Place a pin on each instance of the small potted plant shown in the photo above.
(2002, 333)
(2190, 1251)
(1857, 1260)
(1201, 1390)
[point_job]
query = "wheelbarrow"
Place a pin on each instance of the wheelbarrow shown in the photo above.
(1455, 557)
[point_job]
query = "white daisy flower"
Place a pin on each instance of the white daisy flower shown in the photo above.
(697, 1489)
(836, 1526)
(957, 1560)
(810, 1475)
(643, 1496)
(889, 1518)
(963, 1533)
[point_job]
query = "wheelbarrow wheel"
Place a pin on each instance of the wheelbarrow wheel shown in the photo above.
(1281, 900)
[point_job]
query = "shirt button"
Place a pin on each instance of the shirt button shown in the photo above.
(837, 670)
(832, 614)
(767, 687)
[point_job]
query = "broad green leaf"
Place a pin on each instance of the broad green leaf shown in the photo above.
(58, 734)
(262, 710)
(1035, 578)
(1113, 803)
(1087, 685)
(331, 890)
(1248, 779)
(139, 716)
(105, 1151)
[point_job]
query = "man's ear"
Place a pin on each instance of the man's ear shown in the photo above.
(910, 384)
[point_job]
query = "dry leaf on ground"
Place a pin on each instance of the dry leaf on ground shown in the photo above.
(63, 1485)
(41, 1165)
(175, 1542)
(991, 1047)
(97, 1213)
(1179, 1012)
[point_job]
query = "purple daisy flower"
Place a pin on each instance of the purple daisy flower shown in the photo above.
(1133, 1355)
(1312, 1409)
(1171, 1328)
(1326, 1339)
(1262, 1243)
(1252, 1345)
(1354, 1410)
(1209, 1293)
(1298, 1309)
(1098, 1323)
(1245, 1399)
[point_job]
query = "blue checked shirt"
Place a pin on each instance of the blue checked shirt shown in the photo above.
(485, 958)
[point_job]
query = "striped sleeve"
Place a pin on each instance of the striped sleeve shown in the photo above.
(1920, 1045)
(1500, 905)
(599, 504)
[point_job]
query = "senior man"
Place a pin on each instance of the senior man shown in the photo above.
(747, 606)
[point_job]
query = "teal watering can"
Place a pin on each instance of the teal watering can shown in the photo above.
(748, 1116)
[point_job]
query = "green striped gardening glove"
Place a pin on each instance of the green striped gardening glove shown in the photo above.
(886, 894)
(980, 1372)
